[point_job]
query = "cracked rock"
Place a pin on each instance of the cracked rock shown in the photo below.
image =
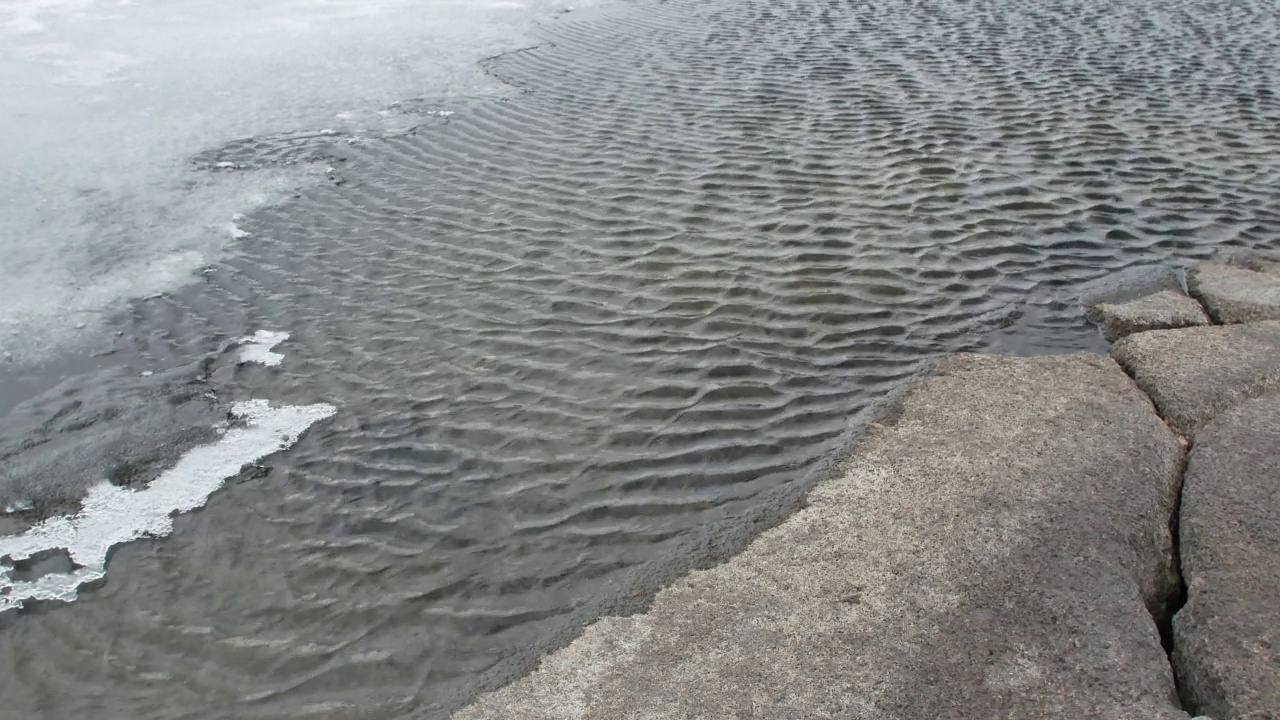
(1227, 637)
(1159, 311)
(1192, 374)
(1234, 294)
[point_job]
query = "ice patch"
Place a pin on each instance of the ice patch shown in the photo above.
(113, 515)
(71, 66)
(107, 102)
(257, 348)
(24, 16)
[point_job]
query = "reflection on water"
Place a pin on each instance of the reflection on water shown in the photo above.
(568, 331)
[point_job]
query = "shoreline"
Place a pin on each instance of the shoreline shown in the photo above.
(595, 325)
(1005, 540)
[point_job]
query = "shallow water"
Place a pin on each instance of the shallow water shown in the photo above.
(568, 331)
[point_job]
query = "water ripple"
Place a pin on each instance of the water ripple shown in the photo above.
(572, 329)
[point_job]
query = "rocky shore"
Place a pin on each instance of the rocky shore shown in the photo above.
(1074, 536)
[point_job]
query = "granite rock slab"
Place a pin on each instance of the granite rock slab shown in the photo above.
(1193, 374)
(1227, 637)
(1235, 294)
(1163, 310)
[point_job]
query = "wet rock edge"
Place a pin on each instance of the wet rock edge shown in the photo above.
(720, 543)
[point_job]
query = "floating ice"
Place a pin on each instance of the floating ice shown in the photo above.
(235, 232)
(113, 515)
(257, 348)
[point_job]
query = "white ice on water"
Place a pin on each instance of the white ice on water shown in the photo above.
(257, 347)
(113, 515)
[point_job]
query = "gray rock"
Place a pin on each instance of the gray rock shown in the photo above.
(991, 553)
(1234, 294)
(1160, 311)
(1193, 374)
(1227, 638)
(1132, 283)
(1267, 267)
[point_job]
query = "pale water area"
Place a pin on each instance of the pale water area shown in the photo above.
(402, 363)
(105, 102)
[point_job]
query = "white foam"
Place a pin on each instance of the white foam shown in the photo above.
(112, 515)
(257, 348)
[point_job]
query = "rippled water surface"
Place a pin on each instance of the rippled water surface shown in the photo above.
(569, 331)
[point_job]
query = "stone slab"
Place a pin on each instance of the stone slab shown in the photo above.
(1227, 638)
(1265, 266)
(1235, 294)
(1163, 310)
(991, 552)
(1193, 374)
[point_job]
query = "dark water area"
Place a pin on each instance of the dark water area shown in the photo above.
(623, 311)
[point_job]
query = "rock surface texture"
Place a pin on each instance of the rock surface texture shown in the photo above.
(1227, 638)
(1262, 265)
(1159, 311)
(1235, 294)
(995, 551)
(1193, 374)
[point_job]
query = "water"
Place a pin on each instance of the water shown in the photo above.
(106, 101)
(576, 327)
